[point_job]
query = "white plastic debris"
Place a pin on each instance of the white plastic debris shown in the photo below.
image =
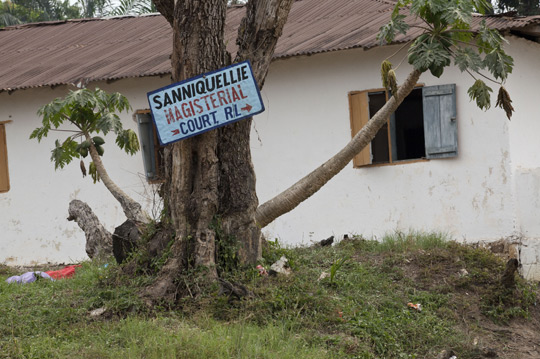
(97, 312)
(281, 266)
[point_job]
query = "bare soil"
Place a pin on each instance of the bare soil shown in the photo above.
(474, 283)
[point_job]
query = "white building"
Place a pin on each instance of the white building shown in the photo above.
(486, 187)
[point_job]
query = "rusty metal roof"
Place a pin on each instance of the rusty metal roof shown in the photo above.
(82, 51)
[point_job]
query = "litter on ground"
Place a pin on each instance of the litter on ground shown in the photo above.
(30, 277)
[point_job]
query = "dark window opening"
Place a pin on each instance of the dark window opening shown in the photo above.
(423, 127)
(402, 137)
(409, 128)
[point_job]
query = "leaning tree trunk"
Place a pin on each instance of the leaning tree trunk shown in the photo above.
(287, 200)
(209, 178)
(132, 209)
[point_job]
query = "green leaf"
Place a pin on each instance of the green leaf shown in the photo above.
(128, 141)
(458, 12)
(438, 6)
(83, 98)
(466, 58)
(480, 93)
(397, 24)
(488, 39)
(428, 54)
(428, 8)
(40, 132)
(499, 64)
(464, 36)
(109, 122)
(64, 153)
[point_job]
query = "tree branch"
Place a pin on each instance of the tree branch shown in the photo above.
(259, 33)
(307, 186)
(166, 8)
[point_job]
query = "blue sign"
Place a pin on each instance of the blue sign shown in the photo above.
(205, 102)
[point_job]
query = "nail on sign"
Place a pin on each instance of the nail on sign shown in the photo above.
(205, 102)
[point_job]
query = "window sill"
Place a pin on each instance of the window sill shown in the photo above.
(394, 163)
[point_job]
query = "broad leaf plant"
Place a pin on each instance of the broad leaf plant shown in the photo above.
(89, 113)
(448, 35)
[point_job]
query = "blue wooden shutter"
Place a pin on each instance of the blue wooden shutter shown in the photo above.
(146, 138)
(440, 125)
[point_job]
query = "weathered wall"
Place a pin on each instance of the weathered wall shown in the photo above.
(307, 121)
(33, 213)
(525, 151)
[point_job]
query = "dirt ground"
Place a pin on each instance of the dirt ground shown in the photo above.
(471, 282)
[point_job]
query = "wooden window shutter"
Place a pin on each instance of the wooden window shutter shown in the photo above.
(4, 174)
(359, 114)
(146, 139)
(440, 125)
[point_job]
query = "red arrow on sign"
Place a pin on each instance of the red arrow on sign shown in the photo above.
(247, 108)
(175, 132)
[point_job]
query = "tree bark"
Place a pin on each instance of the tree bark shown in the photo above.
(209, 178)
(258, 35)
(307, 186)
(131, 208)
(191, 183)
(98, 239)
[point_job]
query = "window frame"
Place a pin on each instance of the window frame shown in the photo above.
(4, 165)
(359, 116)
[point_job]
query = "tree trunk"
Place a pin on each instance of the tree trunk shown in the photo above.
(258, 35)
(131, 208)
(98, 239)
(209, 178)
(307, 186)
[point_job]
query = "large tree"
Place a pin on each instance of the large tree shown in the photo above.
(209, 188)
(209, 179)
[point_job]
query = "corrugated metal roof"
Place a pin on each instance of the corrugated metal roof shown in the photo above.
(81, 51)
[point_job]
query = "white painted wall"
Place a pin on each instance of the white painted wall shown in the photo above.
(525, 151)
(33, 213)
(307, 121)
(476, 196)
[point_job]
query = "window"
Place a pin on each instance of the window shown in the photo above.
(423, 126)
(151, 150)
(4, 174)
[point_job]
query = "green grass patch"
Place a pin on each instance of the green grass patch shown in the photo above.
(360, 310)
(410, 241)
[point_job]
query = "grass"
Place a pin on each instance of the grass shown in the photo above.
(361, 312)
